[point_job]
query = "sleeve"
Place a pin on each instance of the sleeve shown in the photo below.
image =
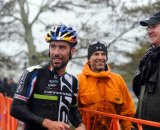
(19, 108)
(142, 72)
(127, 108)
(74, 114)
(136, 83)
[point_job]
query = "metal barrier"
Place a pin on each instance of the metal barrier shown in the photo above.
(115, 125)
(6, 121)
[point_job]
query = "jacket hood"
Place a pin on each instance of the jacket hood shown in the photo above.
(87, 71)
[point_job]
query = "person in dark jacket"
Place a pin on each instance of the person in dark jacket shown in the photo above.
(146, 82)
(46, 97)
(12, 87)
(2, 90)
(6, 86)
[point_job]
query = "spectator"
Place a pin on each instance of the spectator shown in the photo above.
(102, 90)
(12, 87)
(1, 87)
(6, 86)
(146, 82)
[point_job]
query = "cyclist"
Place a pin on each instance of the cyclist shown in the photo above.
(46, 97)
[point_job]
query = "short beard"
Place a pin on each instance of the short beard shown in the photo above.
(61, 66)
(101, 69)
(64, 64)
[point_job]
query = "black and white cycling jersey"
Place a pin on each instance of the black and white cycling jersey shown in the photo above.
(42, 93)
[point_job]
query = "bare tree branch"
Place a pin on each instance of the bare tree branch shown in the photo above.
(19, 53)
(41, 9)
(121, 34)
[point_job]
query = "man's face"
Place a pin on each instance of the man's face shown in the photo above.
(154, 34)
(60, 52)
(98, 61)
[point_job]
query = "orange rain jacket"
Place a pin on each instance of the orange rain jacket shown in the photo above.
(107, 92)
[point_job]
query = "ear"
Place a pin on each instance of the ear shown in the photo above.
(73, 50)
(88, 62)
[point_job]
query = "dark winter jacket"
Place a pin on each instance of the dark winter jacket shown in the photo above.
(148, 78)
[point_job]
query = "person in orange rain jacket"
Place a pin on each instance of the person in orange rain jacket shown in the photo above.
(102, 90)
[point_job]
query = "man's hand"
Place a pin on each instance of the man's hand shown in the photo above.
(55, 125)
(81, 127)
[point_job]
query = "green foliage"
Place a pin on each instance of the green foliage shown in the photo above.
(128, 70)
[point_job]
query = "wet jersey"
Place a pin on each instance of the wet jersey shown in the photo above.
(42, 93)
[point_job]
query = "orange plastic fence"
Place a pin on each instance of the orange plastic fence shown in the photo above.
(6, 121)
(115, 125)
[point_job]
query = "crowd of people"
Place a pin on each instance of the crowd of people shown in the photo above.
(47, 97)
(8, 87)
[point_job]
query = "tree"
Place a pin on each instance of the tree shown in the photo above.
(109, 20)
(128, 69)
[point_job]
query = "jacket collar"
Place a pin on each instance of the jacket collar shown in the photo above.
(87, 71)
